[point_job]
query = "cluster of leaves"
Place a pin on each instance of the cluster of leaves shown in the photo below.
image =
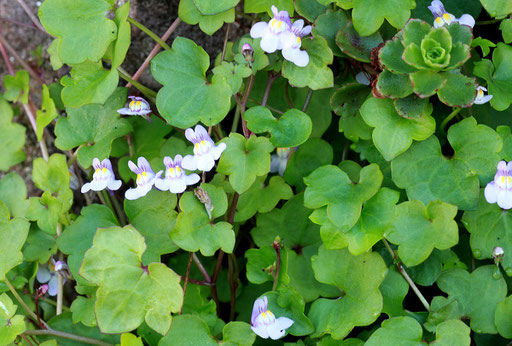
(377, 233)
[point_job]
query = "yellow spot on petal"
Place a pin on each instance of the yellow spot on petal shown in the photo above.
(197, 145)
(171, 170)
(298, 40)
(279, 24)
(503, 179)
(272, 23)
(104, 170)
(446, 17)
(132, 103)
(264, 314)
(203, 143)
(138, 103)
(178, 170)
(97, 170)
(144, 174)
(438, 20)
(138, 177)
(509, 179)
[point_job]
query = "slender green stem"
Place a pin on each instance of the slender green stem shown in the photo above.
(406, 276)
(145, 90)
(119, 211)
(449, 117)
(60, 279)
(22, 303)
(149, 33)
(308, 99)
(236, 119)
(69, 336)
(487, 22)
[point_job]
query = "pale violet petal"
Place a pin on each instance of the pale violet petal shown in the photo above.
(126, 111)
(205, 163)
(297, 56)
(260, 305)
(491, 192)
(274, 10)
(139, 191)
(284, 322)
(282, 166)
(192, 179)
(85, 188)
(190, 135)
(43, 274)
(261, 331)
(259, 29)
(162, 184)
(189, 162)
(274, 163)
(486, 99)
(306, 31)
(505, 199)
(133, 167)
(275, 331)
(438, 22)
(502, 165)
(269, 43)
(96, 163)
(437, 8)
(467, 19)
(53, 285)
(201, 132)
(113, 184)
(298, 24)
(98, 185)
(217, 150)
(177, 185)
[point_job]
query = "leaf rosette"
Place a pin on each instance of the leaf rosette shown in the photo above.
(428, 59)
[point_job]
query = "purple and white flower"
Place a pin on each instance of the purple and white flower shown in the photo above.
(279, 160)
(270, 32)
(145, 178)
(442, 18)
(205, 150)
(175, 179)
(291, 41)
(480, 97)
(363, 78)
(265, 324)
(500, 189)
(102, 178)
(137, 106)
(49, 274)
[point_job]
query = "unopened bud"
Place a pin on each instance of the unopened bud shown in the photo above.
(247, 52)
(41, 290)
(497, 254)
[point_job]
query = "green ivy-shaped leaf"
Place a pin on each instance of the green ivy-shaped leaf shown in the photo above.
(376, 218)
(11, 325)
(233, 74)
(154, 216)
(209, 24)
(327, 25)
(195, 231)
(489, 226)
(394, 288)
(394, 134)
(258, 6)
(12, 138)
(289, 130)
(13, 192)
(129, 293)
(352, 44)
(406, 330)
(330, 186)
(187, 97)
(262, 197)
(496, 74)
(94, 126)
(45, 210)
(477, 294)
(496, 8)
(47, 113)
(368, 15)
(188, 329)
(359, 278)
(237, 333)
(13, 233)
(418, 230)
(209, 8)
(40, 246)
(244, 160)
(316, 75)
(83, 311)
(261, 266)
(76, 239)
(503, 318)
(17, 87)
(427, 175)
(309, 9)
(83, 31)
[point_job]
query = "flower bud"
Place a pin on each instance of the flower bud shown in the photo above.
(497, 255)
(41, 290)
(247, 52)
